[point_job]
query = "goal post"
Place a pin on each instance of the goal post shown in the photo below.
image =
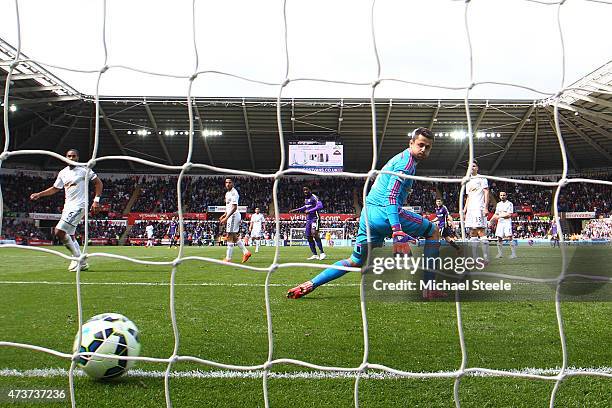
(297, 236)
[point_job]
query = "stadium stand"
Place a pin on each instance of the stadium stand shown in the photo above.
(157, 194)
(598, 229)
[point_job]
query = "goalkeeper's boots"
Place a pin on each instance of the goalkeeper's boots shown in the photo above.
(300, 291)
(246, 256)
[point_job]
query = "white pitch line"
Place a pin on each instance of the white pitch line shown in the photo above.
(161, 284)
(257, 374)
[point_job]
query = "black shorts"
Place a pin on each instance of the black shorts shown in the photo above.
(447, 231)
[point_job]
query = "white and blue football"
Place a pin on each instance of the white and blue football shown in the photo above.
(114, 335)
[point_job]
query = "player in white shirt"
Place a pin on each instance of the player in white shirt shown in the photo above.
(72, 179)
(256, 227)
(150, 235)
(503, 231)
(475, 212)
(232, 218)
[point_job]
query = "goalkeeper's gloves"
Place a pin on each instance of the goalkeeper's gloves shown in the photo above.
(401, 241)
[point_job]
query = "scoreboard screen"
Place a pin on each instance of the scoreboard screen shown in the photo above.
(316, 156)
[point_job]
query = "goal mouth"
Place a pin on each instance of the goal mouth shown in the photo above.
(297, 236)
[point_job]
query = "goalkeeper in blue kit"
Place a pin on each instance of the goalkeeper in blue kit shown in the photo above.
(387, 218)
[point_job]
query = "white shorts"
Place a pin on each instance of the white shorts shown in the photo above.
(233, 223)
(475, 219)
(256, 233)
(150, 236)
(71, 217)
(503, 229)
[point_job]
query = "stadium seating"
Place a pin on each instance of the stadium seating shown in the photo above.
(339, 195)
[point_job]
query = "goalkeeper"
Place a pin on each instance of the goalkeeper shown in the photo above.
(386, 217)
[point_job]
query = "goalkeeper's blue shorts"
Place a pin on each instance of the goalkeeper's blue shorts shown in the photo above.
(412, 224)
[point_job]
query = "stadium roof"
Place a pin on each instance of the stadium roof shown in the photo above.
(513, 136)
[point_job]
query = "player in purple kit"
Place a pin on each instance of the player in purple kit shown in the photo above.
(444, 219)
(554, 234)
(311, 207)
(173, 232)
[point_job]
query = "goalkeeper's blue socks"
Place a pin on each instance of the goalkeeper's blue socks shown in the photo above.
(431, 252)
(329, 274)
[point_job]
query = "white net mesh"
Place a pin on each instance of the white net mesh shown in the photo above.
(366, 365)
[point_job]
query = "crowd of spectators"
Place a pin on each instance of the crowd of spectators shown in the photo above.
(530, 228)
(20, 228)
(449, 193)
(423, 194)
(14, 228)
(587, 197)
(160, 228)
(350, 227)
(105, 229)
(598, 229)
(212, 231)
(573, 197)
(159, 194)
(16, 190)
(539, 198)
(148, 198)
(337, 194)
(202, 192)
(117, 192)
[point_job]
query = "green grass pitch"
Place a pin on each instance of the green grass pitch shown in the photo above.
(221, 317)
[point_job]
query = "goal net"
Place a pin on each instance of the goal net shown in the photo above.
(200, 70)
(297, 236)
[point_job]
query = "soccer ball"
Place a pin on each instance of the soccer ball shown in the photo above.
(531, 242)
(112, 334)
